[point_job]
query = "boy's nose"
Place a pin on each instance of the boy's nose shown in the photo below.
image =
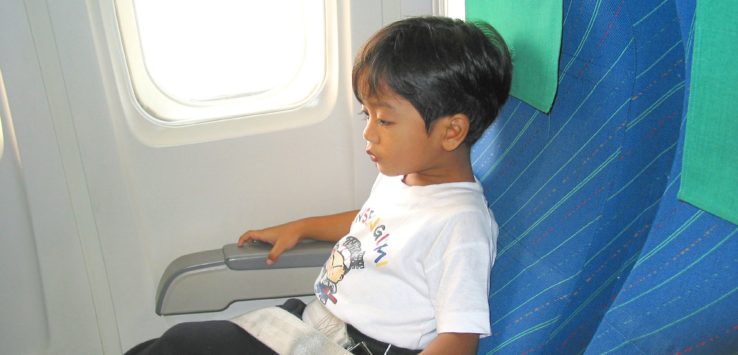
(369, 132)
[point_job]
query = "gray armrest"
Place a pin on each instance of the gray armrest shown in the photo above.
(211, 280)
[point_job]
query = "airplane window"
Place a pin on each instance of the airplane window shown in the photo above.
(192, 61)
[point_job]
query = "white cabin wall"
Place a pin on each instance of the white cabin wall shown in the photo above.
(19, 264)
(47, 179)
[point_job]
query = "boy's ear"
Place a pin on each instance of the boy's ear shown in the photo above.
(456, 129)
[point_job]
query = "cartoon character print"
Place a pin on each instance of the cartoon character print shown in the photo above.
(345, 257)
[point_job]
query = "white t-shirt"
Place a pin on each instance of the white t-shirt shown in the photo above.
(415, 263)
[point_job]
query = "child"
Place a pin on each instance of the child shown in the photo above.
(410, 269)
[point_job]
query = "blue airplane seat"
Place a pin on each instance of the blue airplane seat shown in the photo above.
(596, 254)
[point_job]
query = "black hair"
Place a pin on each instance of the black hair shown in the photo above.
(441, 66)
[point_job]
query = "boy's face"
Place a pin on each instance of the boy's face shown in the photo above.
(398, 142)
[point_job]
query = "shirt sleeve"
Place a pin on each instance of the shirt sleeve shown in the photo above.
(457, 271)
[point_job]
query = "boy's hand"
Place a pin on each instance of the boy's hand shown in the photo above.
(282, 238)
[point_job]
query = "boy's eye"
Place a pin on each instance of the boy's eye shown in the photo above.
(364, 115)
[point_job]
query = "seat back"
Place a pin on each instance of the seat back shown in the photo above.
(595, 252)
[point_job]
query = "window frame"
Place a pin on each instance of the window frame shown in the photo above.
(155, 131)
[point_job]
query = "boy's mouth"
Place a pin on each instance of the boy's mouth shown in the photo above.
(371, 156)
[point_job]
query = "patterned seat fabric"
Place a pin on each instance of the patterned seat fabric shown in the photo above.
(596, 254)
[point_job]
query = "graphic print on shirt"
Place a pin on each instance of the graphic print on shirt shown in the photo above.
(379, 232)
(345, 257)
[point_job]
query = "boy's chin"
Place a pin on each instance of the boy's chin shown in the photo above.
(389, 172)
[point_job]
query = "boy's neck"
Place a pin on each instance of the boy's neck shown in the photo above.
(456, 167)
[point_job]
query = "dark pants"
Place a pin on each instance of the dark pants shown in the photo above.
(210, 337)
(203, 338)
(226, 338)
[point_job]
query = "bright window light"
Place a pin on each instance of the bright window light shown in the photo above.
(193, 61)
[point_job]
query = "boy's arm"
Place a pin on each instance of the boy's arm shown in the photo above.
(453, 343)
(283, 237)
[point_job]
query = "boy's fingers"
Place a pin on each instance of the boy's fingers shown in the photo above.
(274, 254)
(244, 238)
(250, 236)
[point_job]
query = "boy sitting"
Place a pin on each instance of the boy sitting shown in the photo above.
(410, 269)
